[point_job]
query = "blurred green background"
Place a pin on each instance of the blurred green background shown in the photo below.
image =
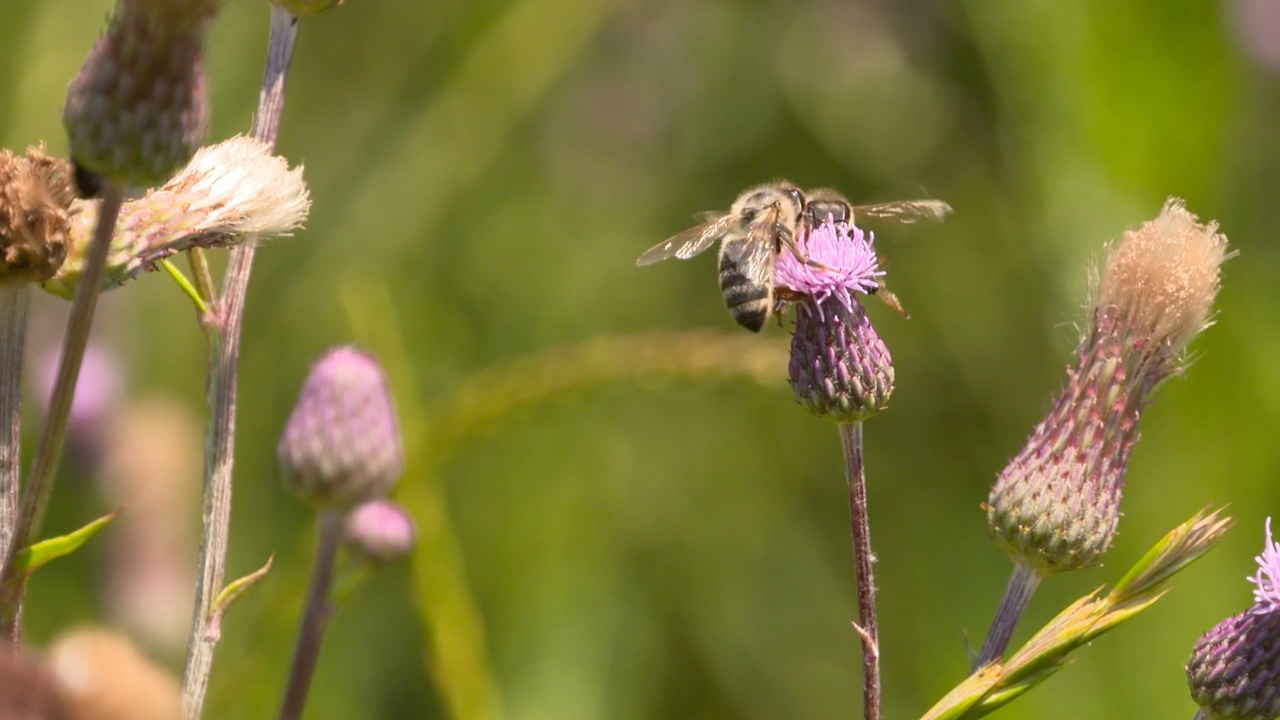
(484, 175)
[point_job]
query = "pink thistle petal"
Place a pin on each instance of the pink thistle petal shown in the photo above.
(845, 261)
(1267, 595)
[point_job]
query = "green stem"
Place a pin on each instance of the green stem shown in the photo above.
(14, 301)
(315, 617)
(223, 326)
(1022, 585)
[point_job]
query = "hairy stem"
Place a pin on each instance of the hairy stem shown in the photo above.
(35, 500)
(314, 618)
(1022, 585)
(223, 329)
(860, 527)
(14, 301)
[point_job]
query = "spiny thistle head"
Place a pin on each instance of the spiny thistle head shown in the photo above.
(379, 530)
(839, 368)
(1056, 506)
(139, 107)
(1234, 670)
(36, 192)
(341, 445)
(227, 191)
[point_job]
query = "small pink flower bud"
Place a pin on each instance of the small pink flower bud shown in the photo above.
(379, 530)
(341, 445)
(1234, 670)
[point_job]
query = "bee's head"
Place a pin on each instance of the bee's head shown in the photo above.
(824, 203)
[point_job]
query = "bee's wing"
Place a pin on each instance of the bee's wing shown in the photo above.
(904, 212)
(690, 242)
(754, 253)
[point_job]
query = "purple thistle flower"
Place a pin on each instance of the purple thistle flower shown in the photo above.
(846, 263)
(341, 445)
(840, 368)
(1234, 670)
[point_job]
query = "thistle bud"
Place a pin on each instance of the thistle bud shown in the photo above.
(839, 368)
(1234, 670)
(341, 445)
(379, 530)
(1056, 506)
(139, 107)
(36, 192)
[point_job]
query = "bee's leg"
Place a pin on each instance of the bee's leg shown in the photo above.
(789, 243)
(891, 300)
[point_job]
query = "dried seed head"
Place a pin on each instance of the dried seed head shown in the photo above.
(227, 191)
(379, 530)
(1163, 277)
(139, 107)
(1234, 670)
(36, 192)
(102, 675)
(341, 445)
(840, 368)
(1056, 506)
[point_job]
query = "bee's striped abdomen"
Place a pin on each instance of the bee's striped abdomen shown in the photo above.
(750, 302)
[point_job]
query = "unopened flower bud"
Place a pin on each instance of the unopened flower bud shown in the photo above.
(139, 107)
(36, 192)
(379, 530)
(1234, 670)
(840, 368)
(341, 445)
(1056, 506)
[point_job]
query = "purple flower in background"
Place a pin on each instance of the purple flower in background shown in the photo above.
(840, 368)
(1234, 670)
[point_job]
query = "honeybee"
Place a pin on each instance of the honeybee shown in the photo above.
(762, 223)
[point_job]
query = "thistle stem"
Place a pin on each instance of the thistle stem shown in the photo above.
(315, 617)
(223, 328)
(35, 500)
(1201, 715)
(14, 301)
(1022, 585)
(860, 526)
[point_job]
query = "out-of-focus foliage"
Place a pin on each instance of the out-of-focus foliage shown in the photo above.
(664, 546)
